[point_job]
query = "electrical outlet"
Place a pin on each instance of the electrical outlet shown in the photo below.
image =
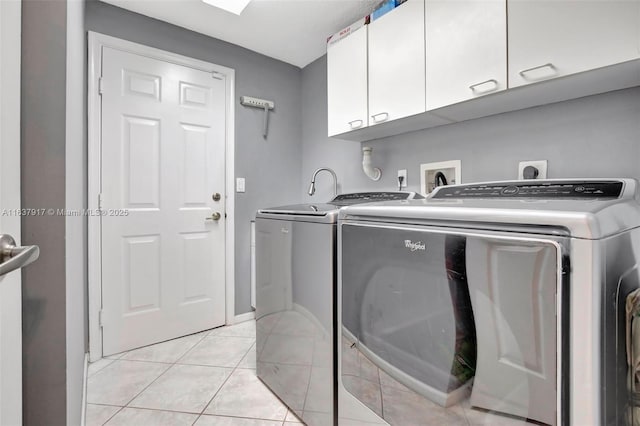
(540, 165)
(402, 173)
(451, 170)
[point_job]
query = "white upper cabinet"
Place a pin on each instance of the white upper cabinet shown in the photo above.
(397, 63)
(552, 38)
(347, 83)
(466, 48)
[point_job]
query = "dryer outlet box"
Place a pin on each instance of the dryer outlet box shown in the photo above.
(539, 165)
(452, 171)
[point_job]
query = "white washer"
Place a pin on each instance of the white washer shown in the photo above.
(489, 303)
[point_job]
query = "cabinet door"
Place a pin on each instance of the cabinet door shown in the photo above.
(552, 38)
(466, 50)
(397, 63)
(347, 83)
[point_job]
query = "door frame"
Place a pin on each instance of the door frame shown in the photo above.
(96, 42)
(10, 190)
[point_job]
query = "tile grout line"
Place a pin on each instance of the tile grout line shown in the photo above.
(381, 393)
(191, 348)
(148, 362)
(147, 387)
(103, 405)
(306, 394)
(164, 410)
(200, 341)
(171, 365)
(97, 371)
(161, 374)
(245, 355)
(165, 371)
(114, 414)
(233, 370)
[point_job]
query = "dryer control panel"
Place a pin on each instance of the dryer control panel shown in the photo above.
(534, 189)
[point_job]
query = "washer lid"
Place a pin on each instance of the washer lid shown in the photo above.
(592, 216)
(328, 212)
(301, 209)
(319, 213)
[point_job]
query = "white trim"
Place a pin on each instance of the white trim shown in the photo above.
(85, 377)
(230, 264)
(96, 43)
(248, 316)
(11, 288)
(93, 187)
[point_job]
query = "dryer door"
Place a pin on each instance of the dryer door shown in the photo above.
(442, 327)
(513, 292)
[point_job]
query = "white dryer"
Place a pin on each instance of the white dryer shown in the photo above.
(494, 303)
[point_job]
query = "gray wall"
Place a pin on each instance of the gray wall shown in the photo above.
(271, 167)
(76, 199)
(596, 136)
(43, 186)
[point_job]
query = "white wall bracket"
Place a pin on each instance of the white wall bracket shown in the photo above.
(262, 104)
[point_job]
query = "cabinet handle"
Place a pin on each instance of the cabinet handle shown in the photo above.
(354, 126)
(385, 117)
(474, 87)
(549, 65)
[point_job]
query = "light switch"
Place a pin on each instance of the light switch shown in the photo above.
(239, 184)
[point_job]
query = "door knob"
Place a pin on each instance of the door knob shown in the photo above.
(215, 216)
(216, 196)
(12, 257)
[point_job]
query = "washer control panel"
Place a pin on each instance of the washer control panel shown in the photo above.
(533, 189)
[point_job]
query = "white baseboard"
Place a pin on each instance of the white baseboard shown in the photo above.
(83, 416)
(244, 317)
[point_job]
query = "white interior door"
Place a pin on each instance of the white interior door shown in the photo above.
(163, 161)
(10, 284)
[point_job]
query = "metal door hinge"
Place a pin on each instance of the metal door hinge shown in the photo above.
(217, 75)
(100, 86)
(101, 318)
(100, 201)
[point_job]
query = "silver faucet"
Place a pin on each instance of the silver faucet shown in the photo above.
(312, 187)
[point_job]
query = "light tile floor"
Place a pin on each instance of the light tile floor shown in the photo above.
(204, 379)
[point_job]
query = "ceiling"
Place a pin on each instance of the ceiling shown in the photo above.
(293, 31)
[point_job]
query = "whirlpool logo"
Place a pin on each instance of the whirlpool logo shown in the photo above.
(415, 246)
